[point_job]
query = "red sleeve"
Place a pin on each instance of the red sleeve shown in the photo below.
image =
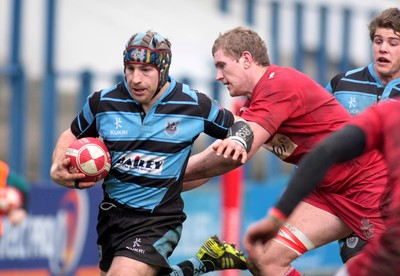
(381, 255)
(274, 100)
(371, 124)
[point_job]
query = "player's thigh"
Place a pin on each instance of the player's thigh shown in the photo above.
(319, 226)
(311, 227)
(126, 266)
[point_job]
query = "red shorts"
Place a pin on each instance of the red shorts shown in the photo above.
(360, 204)
(381, 256)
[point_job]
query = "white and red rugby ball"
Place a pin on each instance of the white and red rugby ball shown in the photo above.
(10, 198)
(89, 156)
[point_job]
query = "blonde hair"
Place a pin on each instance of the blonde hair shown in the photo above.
(234, 42)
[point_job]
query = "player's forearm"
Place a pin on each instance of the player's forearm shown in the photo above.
(65, 139)
(190, 185)
(223, 155)
(59, 172)
(207, 164)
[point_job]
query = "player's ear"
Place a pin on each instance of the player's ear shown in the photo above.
(247, 59)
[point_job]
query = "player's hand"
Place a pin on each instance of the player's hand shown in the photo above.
(83, 185)
(60, 174)
(16, 216)
(258, 235)
(230, 149)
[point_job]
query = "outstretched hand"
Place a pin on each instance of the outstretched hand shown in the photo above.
(230, 149)
(258, 235)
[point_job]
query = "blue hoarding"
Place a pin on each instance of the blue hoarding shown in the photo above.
(59, 235)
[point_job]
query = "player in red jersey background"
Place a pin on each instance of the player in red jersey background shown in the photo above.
(289, 114)
(375, 129)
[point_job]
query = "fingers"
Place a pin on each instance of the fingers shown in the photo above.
(82, 185)
(71, 180)
(255, 246)
(260, 233)
(230, 149)
(61, 175)
(251, 238)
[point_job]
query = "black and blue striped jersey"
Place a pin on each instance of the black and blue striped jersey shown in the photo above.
(150, 150)
(359, 88)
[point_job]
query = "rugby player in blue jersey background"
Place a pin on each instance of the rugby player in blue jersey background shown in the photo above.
(359, 88)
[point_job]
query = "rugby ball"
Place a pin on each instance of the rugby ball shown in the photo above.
(10, 198)
(89, 156)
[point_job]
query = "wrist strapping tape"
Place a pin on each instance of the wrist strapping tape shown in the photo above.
(242, 133)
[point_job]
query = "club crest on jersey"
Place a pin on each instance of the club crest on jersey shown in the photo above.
(171, 127)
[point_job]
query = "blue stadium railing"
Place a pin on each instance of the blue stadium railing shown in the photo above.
(14, 72)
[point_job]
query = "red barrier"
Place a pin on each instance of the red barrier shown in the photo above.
(232, 202)
(231, 210)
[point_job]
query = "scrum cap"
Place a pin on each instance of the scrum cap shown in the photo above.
(150, 48)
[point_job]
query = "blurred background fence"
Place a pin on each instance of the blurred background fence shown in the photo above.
(54, 53)
(317, 37)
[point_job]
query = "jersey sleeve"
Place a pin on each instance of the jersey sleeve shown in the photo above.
(371, 124)
(331, 86)
(272, 105)
(217, 119)
(84, 125)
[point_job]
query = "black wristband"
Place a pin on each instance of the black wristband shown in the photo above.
(241, 132)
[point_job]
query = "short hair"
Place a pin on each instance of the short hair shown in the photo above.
(234, 42)
(389, 18)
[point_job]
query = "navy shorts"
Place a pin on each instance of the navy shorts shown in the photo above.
(138, 235)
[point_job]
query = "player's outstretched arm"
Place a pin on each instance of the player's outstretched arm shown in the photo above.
(217, 158)
(207, 164)
(190, 185)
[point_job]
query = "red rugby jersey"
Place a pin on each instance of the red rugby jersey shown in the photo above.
(381, 125)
